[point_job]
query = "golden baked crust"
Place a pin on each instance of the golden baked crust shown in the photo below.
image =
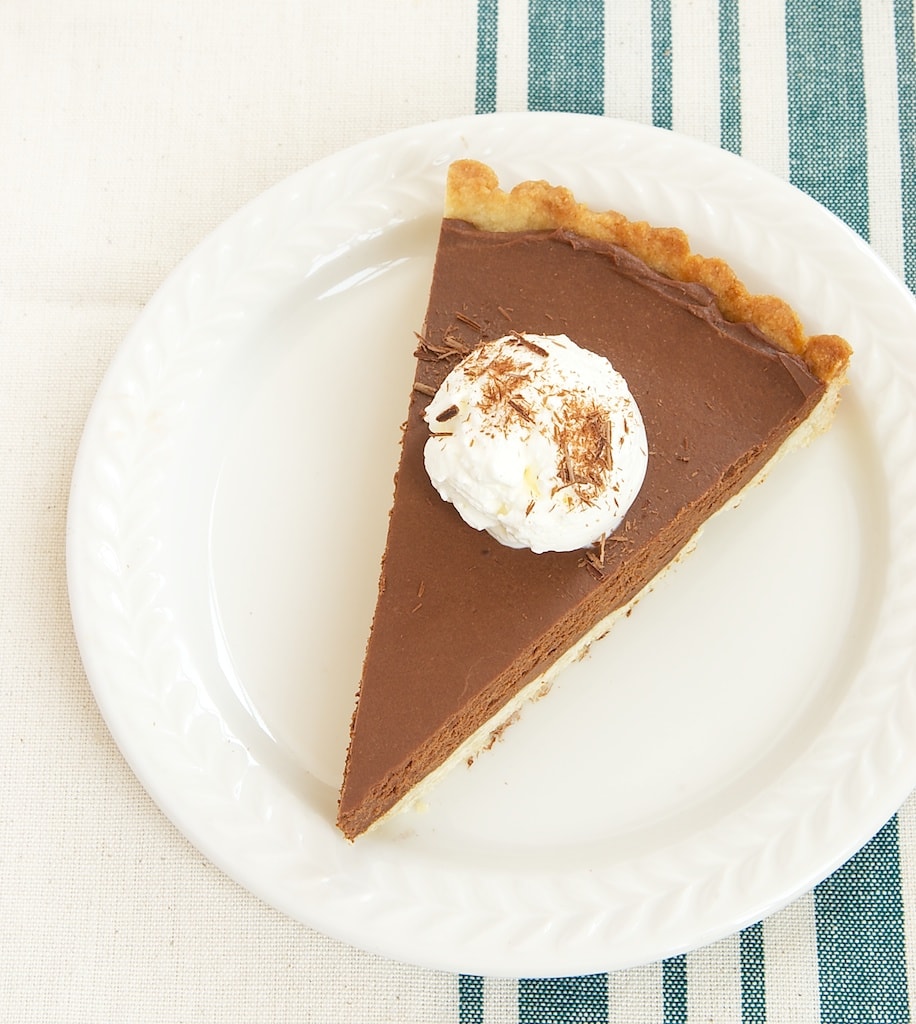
(473, 194)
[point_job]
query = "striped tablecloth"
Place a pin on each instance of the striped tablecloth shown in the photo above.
(127, 132)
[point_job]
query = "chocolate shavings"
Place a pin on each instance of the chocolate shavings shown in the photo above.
(447, 414)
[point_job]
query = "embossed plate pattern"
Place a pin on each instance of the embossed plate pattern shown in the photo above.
(228, 511)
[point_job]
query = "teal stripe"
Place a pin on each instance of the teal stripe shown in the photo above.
(485, 98)
(470, 999)
(674, 990)
(566, 56)
(828, 155)
(860, 941)
(580, 1000)
(906, 103)
(753, 982)
(661, 63)
(729, 76)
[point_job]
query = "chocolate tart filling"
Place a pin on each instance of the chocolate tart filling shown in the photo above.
(463, 623)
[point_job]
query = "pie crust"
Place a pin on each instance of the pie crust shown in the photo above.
(473, 196)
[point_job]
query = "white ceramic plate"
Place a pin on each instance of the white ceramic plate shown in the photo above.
(743, 733)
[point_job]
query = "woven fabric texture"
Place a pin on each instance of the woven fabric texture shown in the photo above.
(128, 131)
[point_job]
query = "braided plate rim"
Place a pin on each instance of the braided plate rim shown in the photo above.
(260, 826)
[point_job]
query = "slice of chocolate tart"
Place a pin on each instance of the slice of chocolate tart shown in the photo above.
(467, 628)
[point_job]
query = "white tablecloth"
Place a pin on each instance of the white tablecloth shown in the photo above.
(128, 131)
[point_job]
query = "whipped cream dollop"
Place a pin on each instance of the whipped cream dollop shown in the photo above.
(537, 441)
